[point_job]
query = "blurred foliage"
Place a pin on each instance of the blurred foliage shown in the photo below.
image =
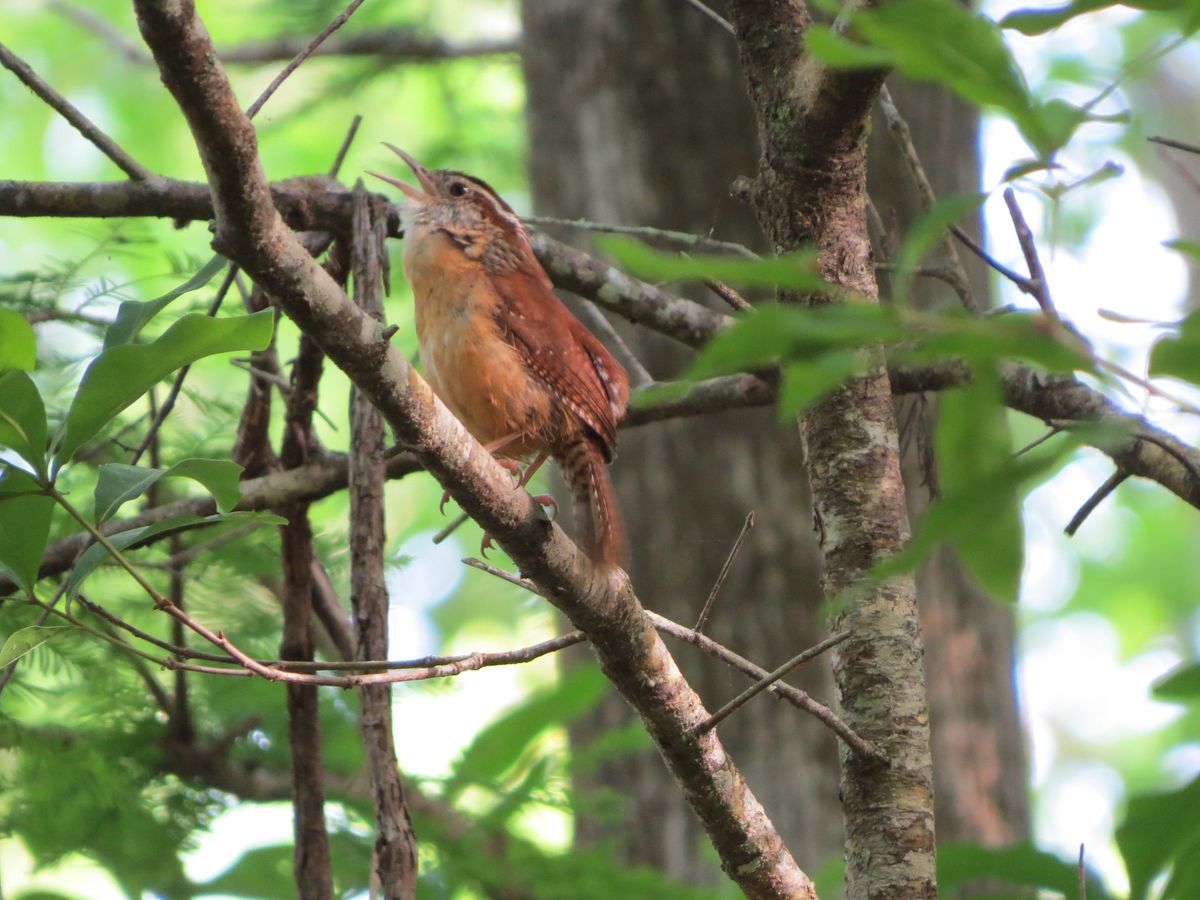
(86, 745)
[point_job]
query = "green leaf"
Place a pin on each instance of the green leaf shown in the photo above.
(119, 483)
(23, 640)
(793, 271)
(501, 744)
(1179, 357)
(25, 513)
(96, 554)
(982, 485)
(983, 341)
(777, 332)
(833, 49)
(806, 382)
(18, 346)
(121, 374)
(1181, 684)
(1038, 21)
(945, 42)
(1019, 865)
(132, 316)
(1159, 831)
(1191, 249)
(23, 419)
(924, 234)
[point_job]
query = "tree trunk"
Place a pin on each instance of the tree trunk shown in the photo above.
(638, 115)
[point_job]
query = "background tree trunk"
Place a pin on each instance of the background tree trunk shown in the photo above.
(637, 114)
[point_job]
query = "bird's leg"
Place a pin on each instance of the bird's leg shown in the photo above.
(542, 499)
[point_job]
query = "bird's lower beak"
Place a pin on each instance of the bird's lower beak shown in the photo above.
(419, 170)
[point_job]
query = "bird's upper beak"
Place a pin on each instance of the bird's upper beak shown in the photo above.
(422, 176)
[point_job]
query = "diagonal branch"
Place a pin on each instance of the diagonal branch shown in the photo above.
(78, 120)
(603, 606)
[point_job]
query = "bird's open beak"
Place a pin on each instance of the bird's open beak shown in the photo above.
(419, 170)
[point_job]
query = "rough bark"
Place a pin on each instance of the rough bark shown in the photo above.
(811, 189)
(395, 859)
(637, 115)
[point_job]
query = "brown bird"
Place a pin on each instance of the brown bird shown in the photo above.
(504, 354)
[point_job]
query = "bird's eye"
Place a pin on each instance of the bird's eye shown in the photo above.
(458, 189)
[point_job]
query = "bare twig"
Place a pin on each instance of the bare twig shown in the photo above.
(78, 120)
(903, 138)
(345, 148)
(683, 238)
(798, 698)
(1110, 484)
(1176, 145)
(454, 524)
(712, 14)
(758, 687)
(729, 295)
(1039, 286)
(724, 573)
(1038, 441)
(1083, 872)
(1025, 284)
(341, 19)
(601, 325)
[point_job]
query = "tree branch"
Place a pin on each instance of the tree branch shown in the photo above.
(601, 604)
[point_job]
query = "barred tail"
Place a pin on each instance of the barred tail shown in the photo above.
(597, 519)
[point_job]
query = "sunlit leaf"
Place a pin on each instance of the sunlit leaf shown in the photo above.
(775, 332)
(1039, 21)
(1159, 831)
(132, 315)
(121, 374)
(23, 419)
(26, 639)
(18, 346)
(982, 483)
(97, 553)
(25, 513)
(1018, 865)
(498, 746)
(1191, 249)
(119, 483)
(946, 42)
(1179, 356)
(793, 271)
(1181, 684)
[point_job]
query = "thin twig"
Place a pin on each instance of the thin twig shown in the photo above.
(713, 14)
(1082, 876)
(758, 687)
(728, 294)
(1038, 441)
(345, 148)
(455, 523)
(78, 120)
(684, 238)
(793, 695)
(724, 573)
(342, 18)
(1019, 280)
(902, 136)
(1177, 145)
(1040, 286)
(600, 323)
(1110, 484)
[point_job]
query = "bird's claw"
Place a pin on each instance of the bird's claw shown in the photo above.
(547, 500)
